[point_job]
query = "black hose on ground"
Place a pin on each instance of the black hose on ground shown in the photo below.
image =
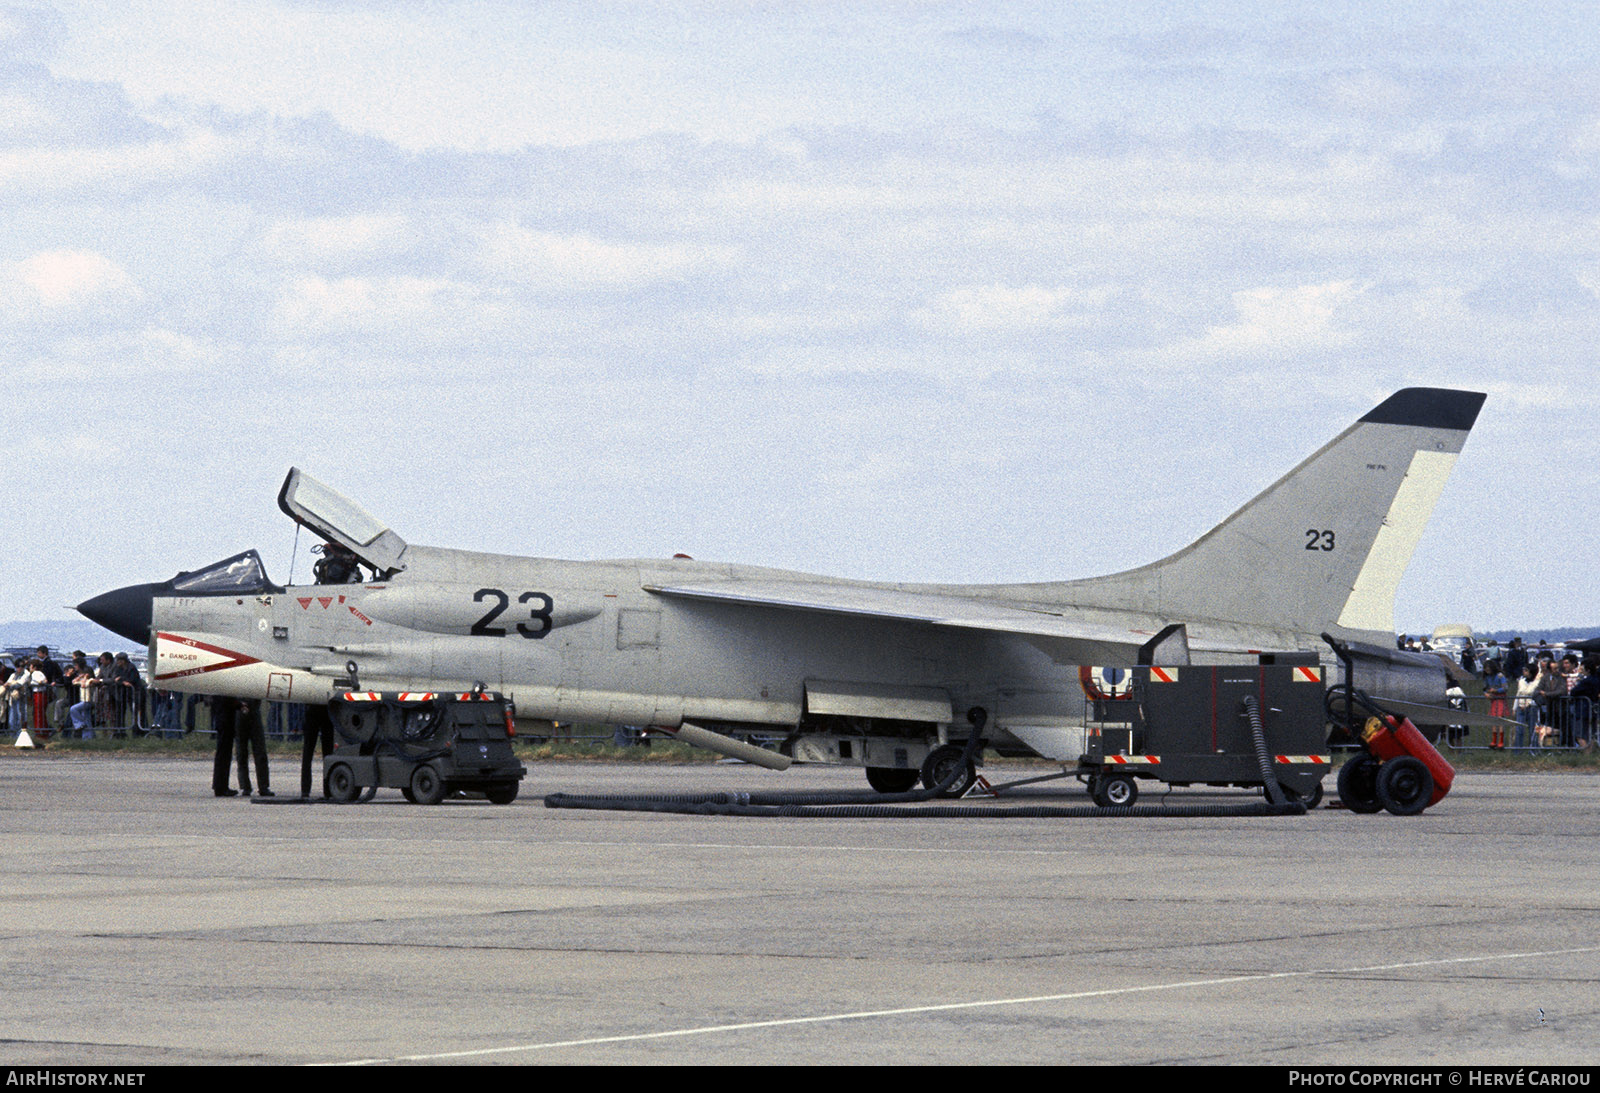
(1258, 734)
(740, 804)
(812, 803)
(824, 805)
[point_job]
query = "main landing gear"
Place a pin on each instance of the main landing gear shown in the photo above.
(948, 761)
(943, 762)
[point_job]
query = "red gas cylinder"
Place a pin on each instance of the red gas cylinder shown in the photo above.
(1391, 737)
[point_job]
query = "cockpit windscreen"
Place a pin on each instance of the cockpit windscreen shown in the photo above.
(242, 573)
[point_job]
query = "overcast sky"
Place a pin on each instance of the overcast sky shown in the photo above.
(906, 291)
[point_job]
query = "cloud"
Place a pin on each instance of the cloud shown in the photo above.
(978, 308)
(1581, 154)
(66, 287)
(1529, 287)
(20, 115)
(498, 76)
(112, 356)
(30, 32)
(364, 303)
(999, 39)
(1373, 92)
(581, 261)
(315, 241)
(1280, 320)
(822, 197)
(163, 350)
(43, 170)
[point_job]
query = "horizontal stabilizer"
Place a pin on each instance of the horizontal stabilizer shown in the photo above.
(1421, 713)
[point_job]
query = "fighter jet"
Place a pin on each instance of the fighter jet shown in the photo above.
(874, 674)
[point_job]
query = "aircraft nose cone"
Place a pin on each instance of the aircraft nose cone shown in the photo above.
(125, 611)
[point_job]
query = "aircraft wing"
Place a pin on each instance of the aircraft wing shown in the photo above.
(1066, 638)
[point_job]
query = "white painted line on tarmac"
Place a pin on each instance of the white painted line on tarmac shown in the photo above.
(527, 844)
(860, 1015)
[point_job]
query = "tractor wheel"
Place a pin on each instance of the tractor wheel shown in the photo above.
(341, 783)
(1358, 784)
(1405, 786)
(1116, 791)
(426, 785)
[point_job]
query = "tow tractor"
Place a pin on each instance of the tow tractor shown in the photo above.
(425, 744)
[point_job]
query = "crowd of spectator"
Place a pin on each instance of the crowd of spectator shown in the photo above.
(108, 694)
(1551, 693)
(43, 696)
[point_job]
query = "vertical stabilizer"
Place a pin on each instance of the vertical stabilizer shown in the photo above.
(1325, 546)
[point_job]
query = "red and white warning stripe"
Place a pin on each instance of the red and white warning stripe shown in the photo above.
(1307, 673)
(1132, 760)
(1314, 760)
(178, 657)
(1163, 675)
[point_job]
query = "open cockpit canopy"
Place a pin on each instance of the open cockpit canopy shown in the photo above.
(340, 520)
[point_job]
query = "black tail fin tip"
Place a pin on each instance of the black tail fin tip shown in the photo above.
(1429, 408)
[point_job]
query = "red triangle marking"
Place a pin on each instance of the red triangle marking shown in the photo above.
(238, 660)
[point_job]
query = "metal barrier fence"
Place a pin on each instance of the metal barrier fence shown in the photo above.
(66, 708)
(173, 714)
(1559, 722)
